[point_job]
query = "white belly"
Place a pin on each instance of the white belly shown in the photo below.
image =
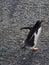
(37, 36)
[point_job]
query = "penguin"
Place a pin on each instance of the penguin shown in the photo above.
(33, 35)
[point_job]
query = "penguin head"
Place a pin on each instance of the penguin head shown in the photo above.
(41, 22)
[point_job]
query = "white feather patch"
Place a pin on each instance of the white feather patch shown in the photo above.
(37, 36)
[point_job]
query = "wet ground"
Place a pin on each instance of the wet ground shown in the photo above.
(15, 14)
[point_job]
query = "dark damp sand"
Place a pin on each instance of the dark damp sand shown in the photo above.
(15, 14)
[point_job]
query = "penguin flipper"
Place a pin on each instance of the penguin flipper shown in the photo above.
(26, 28)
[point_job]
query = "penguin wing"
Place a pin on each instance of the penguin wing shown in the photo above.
(26, 28)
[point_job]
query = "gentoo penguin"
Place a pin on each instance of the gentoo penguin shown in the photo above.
(33, 35)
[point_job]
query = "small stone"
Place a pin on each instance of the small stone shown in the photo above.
(24, 58)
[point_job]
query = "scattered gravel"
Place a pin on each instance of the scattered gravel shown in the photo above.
(15, 14)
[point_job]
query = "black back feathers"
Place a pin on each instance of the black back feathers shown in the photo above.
(30, 37)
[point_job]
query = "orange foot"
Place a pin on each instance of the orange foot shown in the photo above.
(35, 49)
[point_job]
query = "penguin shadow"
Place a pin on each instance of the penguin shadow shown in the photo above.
(28, 57)
(27, 48)
(30, 52)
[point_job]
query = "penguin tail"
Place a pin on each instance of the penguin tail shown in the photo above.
(23, 45)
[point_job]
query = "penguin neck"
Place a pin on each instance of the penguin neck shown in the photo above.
(38, 24)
